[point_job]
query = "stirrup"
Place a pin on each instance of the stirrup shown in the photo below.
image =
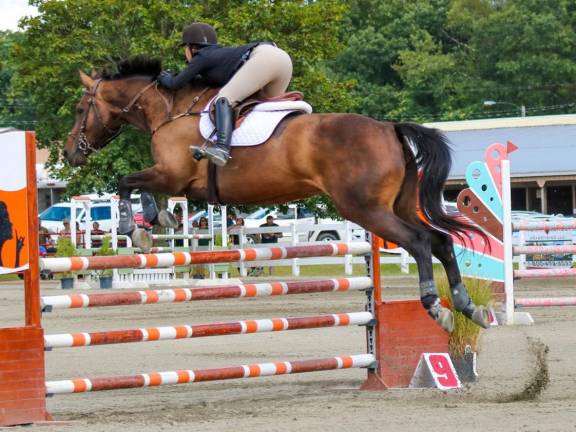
(218, 156)
(198, 153)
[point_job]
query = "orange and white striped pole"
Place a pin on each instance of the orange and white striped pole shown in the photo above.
(189, 376)
(69, 340)
(178, 295)
(184, 258)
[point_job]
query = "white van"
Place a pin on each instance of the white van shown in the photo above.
(100, 211)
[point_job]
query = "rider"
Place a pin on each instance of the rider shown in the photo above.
(241, 71)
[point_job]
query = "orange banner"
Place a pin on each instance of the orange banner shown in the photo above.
(14, 236)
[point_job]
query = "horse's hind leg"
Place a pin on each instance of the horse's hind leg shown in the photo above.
(417, 241)
(443, 249)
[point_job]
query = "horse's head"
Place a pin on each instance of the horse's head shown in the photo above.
(109, 102)
(97, 122)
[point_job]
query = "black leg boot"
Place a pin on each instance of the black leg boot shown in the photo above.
(220, 152)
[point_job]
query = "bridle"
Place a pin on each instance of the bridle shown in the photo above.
(84, 144)
(86, 147)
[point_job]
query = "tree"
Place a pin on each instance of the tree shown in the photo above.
(15, 112)
(69, 35)
(438, 60)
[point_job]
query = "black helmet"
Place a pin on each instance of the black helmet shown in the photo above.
(199, 34)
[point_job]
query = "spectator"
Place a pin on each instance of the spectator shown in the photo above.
(66, 230)
(46, 240)
(96, 231)
(239, 222)
(199, 271)
(230, 219)
(270, 237)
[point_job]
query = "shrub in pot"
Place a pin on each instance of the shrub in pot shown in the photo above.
(105, 276)
(65, 248)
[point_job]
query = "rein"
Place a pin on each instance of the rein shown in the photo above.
(186, 113)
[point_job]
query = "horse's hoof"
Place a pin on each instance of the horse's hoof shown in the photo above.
(142, 239)
(481, 316)
(126, 228)
(445, 319)
(167, 219)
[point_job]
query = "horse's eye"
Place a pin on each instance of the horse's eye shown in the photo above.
(79, 110)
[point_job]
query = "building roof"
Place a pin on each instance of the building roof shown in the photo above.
(547, 144)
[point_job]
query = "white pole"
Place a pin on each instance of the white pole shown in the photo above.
(212, 240)
(224, 227)
(87, 224)
(348, 267)
(241, 234)
(404, 264)
(115, 217)
(73, 222)
(522, 258)
(507, 222)
(295, 261)
(185, 222)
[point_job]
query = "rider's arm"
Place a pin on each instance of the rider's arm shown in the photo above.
(174, 82)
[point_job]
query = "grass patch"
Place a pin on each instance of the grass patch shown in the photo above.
(9, 277)
(328, 270)
(465, 331)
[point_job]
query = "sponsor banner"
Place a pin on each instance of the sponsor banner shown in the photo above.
(14, 244)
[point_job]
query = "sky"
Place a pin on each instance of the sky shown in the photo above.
(11, 11)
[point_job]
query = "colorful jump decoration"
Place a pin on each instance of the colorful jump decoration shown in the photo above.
(482, 203)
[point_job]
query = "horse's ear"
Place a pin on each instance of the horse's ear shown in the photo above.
(86, 80)
(94, 74)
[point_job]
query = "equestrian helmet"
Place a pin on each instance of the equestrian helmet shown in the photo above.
(199, 34)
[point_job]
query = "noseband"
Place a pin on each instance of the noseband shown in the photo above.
(84, 144)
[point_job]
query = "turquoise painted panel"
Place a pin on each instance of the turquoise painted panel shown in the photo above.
(475, 264)
(480, 181)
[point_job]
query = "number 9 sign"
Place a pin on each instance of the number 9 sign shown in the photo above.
(436, 370)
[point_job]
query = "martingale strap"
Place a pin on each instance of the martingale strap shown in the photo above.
(212, 184)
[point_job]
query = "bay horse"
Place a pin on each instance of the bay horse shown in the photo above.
(367, 167)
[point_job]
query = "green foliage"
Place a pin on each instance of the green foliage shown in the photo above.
(72, 35)
(105, 250)
(106, 247)
(465, 331)
(418, 60)
(17, 112)
(65, 248)
(439, 60)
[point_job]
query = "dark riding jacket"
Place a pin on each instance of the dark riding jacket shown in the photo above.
(214, 63)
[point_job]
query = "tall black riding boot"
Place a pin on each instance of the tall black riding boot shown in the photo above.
(220, 152)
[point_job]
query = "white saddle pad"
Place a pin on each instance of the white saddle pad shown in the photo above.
(259, 125)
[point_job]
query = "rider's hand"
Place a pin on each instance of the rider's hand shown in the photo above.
(165, 78)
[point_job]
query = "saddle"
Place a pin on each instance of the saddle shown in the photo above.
(242, 110)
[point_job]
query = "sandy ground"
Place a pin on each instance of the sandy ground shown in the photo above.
(510, 357)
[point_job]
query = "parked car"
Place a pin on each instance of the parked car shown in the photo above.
(302, 217)
(53, 217)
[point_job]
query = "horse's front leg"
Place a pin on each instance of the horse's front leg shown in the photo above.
(148, 180)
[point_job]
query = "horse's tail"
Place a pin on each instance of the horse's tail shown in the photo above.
(432, 154)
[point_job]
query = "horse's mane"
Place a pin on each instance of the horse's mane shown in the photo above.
(142, 66)
(135, 66)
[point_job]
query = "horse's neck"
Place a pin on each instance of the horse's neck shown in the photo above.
(160, 106)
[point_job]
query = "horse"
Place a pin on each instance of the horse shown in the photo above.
(369, 168)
